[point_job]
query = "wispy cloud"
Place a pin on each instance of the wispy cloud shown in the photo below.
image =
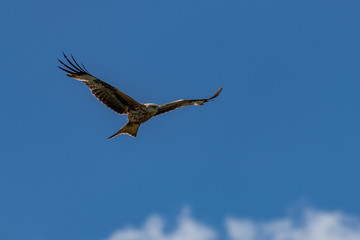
(153, 229)
(312, 225)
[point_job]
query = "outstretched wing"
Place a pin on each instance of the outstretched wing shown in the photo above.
(181, 103)
(107, 94)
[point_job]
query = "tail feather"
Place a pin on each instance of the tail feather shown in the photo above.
(129, 128)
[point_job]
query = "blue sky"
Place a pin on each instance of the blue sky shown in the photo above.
(282, 137)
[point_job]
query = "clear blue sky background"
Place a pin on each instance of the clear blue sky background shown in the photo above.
(284, 132)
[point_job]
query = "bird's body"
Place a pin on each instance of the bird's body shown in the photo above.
(143, 113)
(123, 104)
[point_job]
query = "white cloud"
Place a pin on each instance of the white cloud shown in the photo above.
(240, 229)
(153, 229)
(313, 225)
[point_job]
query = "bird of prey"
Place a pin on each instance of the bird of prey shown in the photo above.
(120, 102)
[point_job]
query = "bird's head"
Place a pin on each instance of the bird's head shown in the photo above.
(151, 107)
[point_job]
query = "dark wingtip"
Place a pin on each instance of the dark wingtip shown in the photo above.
(74, 67)
(65, 70)
(216, 94)
(84, 67)
(77, 63)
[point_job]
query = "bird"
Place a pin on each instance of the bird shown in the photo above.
(137, 113)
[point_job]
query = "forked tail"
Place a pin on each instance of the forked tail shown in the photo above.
(129, 128)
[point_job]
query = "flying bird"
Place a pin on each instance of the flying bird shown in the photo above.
(120, 102)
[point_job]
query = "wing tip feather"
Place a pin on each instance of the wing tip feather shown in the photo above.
(73, 68)
(216, 94)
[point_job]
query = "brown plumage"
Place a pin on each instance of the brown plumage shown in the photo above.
(120, 102)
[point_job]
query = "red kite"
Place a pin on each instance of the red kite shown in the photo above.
(120, 102)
